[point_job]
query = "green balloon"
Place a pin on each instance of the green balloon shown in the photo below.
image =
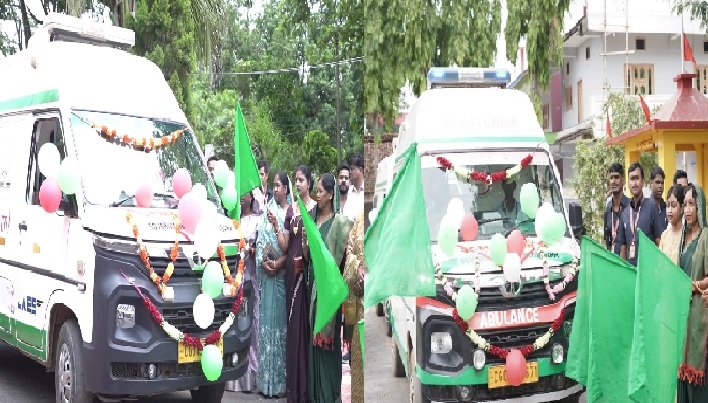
(68, 177)
(212, 362)
(553, 229)
(229, 197)
(529, 199)
(447, 237)
(497, 249)
(221, 176)
(212, 281)
(466, 302)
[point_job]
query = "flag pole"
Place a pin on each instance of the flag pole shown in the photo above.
(683, 63)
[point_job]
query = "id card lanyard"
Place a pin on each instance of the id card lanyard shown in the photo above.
(633, 228)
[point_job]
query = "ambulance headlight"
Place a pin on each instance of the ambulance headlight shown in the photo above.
(479, 358)
(125, 316)
(557, 353)
(440, 342)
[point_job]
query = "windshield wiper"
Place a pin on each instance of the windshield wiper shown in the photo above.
(510, 230)
(162, 195)
(486, 220)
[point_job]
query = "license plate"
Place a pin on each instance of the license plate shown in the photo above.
(187, 354)
(497, 375)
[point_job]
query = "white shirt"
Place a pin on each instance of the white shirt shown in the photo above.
(354, 204)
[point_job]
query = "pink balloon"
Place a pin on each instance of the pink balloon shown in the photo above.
(515, 367)
(144, 195)
(50, 195)
(515, 242)
(181, 182)
(469, 228)
(190, 212)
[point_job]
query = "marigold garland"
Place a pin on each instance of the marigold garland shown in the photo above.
(160, 282)
(138, 143)
(488, 178)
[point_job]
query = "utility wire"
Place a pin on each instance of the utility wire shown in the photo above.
(287, 70)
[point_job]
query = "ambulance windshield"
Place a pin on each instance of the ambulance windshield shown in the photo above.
(496, 207)
(112, 171)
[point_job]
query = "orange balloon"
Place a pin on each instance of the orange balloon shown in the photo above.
(515, 242)
(469, 228)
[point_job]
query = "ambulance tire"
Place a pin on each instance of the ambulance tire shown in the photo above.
(208, 393)
(399, 371)
(69, 377)
(379, 309)
(416, 389)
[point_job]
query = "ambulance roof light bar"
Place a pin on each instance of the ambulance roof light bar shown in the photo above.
(467, 77)
(65, 28)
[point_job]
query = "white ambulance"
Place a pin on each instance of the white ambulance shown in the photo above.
(470, 119)
(66, 298)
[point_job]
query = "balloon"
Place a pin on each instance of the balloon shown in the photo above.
(203, 310)
(206, 239)
(447, 236)
(456, 211)
(213, 280)
(466, 302)
(229, 197)
(200, 191)
(209, 212)
(469, 228)
(512, 268)
(515, 367)
(144, 195)
(372, 215)
(497, 249)
(529, 199)
(543, 216)
(554, 229)
(181, 182)
(49, 195)
(69, 177)
(221, 173)
(212, 362)
(48, 159)
(190, 212)
(515, 242)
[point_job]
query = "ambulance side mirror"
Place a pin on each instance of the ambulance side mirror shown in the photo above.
(575, 216)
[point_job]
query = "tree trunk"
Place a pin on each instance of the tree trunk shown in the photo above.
(25, 23)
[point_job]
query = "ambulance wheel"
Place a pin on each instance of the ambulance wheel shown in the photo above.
(399, 371)
(208, 393)
(379, 309)
(69, 378)
(415, 387)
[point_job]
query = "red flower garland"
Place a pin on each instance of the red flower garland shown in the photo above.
(502, 352)
(446, 165)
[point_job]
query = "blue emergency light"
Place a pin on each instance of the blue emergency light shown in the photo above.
(467, 76)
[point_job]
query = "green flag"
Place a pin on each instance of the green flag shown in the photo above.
(661, 315)
(397, 243)
(245, 167)
(603, 325)
(332, 290)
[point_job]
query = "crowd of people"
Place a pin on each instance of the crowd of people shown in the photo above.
(286, 359)
(677, 225)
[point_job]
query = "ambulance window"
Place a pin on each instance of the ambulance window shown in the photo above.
(45, 131)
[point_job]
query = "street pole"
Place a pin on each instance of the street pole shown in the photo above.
(339, 126)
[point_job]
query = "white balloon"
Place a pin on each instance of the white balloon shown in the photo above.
(373, 214)
(200, 191)
(543, 217)
(206, 239)
(209, 212)
(49, 160)
(203, 311)
(512, 268)
(69, 168)
(456, 211)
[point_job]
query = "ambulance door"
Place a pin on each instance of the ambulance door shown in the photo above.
(15, 134)
(43, 240)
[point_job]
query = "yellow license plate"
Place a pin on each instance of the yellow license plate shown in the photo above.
(187, 354)
(497, 375)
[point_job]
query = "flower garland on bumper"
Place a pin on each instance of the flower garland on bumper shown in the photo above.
(489, 178)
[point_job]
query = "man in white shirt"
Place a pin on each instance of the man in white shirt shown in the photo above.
(355, 197)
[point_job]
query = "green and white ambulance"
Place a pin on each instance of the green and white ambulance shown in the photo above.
(66, 298)
(469, 120)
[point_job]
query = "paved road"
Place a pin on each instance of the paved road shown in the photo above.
(23, 380)
(379, 382)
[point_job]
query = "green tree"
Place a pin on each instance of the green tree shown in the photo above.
(594, 156)
(318, 153)
(541, 22)
(164, 33)
(697, 9)
(403, 39)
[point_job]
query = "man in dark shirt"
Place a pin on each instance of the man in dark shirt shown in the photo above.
(615, 205)
(656, 184)
(640, 215)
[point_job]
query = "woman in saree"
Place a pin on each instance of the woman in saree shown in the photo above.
(270, 262)
(325, 350)
(296, 292)
(693, 248)
(249, 223)
(354, 310)
(671, 238)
